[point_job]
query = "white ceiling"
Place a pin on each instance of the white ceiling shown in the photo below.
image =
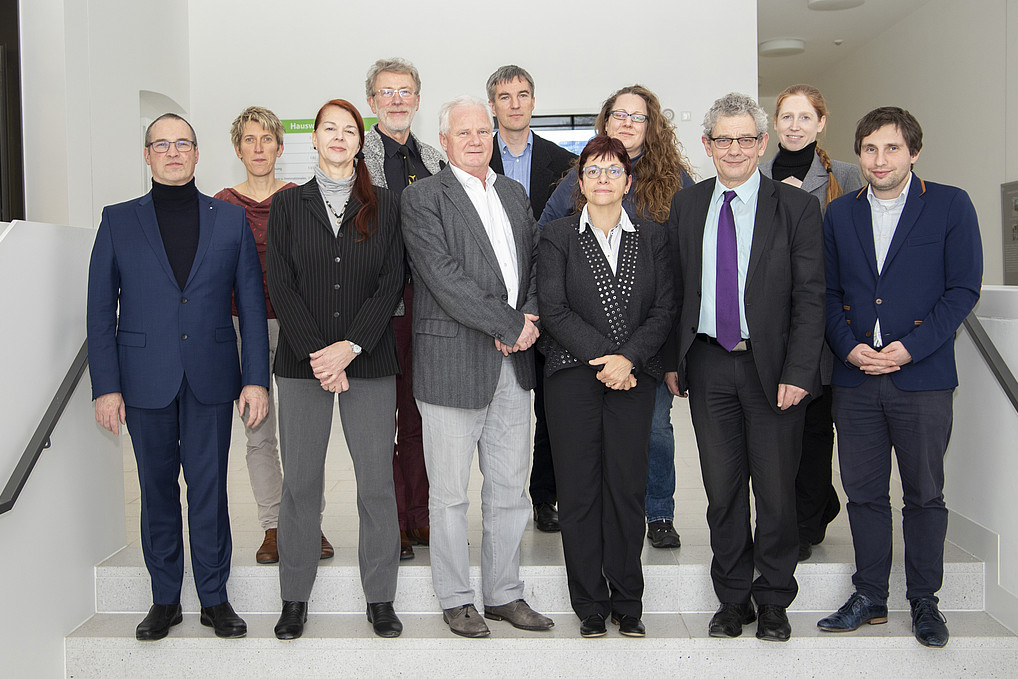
(819, 30)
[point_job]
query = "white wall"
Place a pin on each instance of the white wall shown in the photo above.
(577, 53)
(70, 514)
(83, 65)
(947, 63)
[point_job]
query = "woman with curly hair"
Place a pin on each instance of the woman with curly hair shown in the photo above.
(633, 116)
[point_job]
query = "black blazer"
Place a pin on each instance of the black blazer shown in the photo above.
(327, 288)
(785, 287)
(570, 304)
(548, 163)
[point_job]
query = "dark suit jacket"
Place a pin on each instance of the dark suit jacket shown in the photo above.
(460, 298)
(929, 283)
(326, 288)
(164, 333)
(572, 313)
(549, 162)
(784, 295)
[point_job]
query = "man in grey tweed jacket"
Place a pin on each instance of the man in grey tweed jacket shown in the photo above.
(471, 238)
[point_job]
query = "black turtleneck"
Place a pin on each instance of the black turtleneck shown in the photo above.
(793, 163)
(177, 216)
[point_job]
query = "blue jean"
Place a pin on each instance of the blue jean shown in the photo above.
(660, 502)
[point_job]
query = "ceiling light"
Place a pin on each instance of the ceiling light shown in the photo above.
(827, 5)
(782, 47)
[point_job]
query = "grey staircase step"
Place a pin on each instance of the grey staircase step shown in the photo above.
(676, 645)
(676, 581)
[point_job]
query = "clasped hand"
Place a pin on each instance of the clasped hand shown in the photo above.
(872, 362)
(528, 336)
(616, 371)
(329, 366)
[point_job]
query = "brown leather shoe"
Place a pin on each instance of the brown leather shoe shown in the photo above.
(419, 536)
(406, 547)
(327, 551)
(268, 552)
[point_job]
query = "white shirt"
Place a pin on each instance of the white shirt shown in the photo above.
(496, 225)
(744, 211)
(885, 214)
(612, 243)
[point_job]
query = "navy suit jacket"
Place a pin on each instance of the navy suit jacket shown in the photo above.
(163, 332)
(929, 283)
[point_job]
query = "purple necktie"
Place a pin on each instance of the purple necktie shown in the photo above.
(726, 289)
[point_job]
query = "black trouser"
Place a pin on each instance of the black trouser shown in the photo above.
(599, 439)
(816, 500)
(542, 474)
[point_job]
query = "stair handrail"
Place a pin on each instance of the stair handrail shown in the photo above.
(994, 361)
(41, 438)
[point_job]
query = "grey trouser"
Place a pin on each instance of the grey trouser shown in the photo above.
(501, 434)
(367, 411)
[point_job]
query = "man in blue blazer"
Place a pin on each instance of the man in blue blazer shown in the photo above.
(167, 367)
(904, 267)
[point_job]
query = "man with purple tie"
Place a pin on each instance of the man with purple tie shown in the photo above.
(748, 254)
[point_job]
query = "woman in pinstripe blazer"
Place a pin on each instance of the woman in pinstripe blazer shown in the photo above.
(335, 272)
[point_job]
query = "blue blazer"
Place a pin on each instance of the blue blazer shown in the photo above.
(929, 283)
(164, 333)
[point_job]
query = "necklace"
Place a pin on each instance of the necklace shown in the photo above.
(337, 215)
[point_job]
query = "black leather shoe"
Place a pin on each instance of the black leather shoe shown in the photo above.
(592, 626)
(546, 517)
(629, 625)
(223, 619)
(158, 622)
(772, 623)
(662, 534)
(730, 618)
(383, 619)
(928, 624)
(291, 621)
(805, 549)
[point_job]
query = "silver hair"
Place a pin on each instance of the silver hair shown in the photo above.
(506, 74)
(462, 101)
(735, 104)
(169, 116)
(392, 65)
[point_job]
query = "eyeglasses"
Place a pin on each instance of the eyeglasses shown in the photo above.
(162, 146)
(619, 114)
(614, 171)
(389, 93)
(726, 142)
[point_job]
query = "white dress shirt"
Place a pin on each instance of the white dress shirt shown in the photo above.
(496, 225)
(612, 243)
(885, 214)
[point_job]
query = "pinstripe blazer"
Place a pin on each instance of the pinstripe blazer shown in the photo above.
(327, 288)
(460, 298)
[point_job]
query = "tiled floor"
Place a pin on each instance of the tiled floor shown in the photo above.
(340, 522)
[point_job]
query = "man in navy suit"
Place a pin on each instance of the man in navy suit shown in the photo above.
(537, 164)
(904, 266)
(167, 367)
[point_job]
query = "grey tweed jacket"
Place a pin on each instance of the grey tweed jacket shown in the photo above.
(460, 298)
(374, 156)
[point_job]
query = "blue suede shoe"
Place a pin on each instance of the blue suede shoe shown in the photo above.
(928, 624)
(858, 610)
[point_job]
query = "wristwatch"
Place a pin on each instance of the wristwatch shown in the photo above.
(355, 347)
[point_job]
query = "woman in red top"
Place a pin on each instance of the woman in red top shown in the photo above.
(257, 136)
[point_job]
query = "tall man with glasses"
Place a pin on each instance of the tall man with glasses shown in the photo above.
(537, 164)
(746, 349)
(395, 158)
(171, 262)
(904, 267)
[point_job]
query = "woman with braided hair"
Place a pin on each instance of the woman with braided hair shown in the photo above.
(800, 115)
